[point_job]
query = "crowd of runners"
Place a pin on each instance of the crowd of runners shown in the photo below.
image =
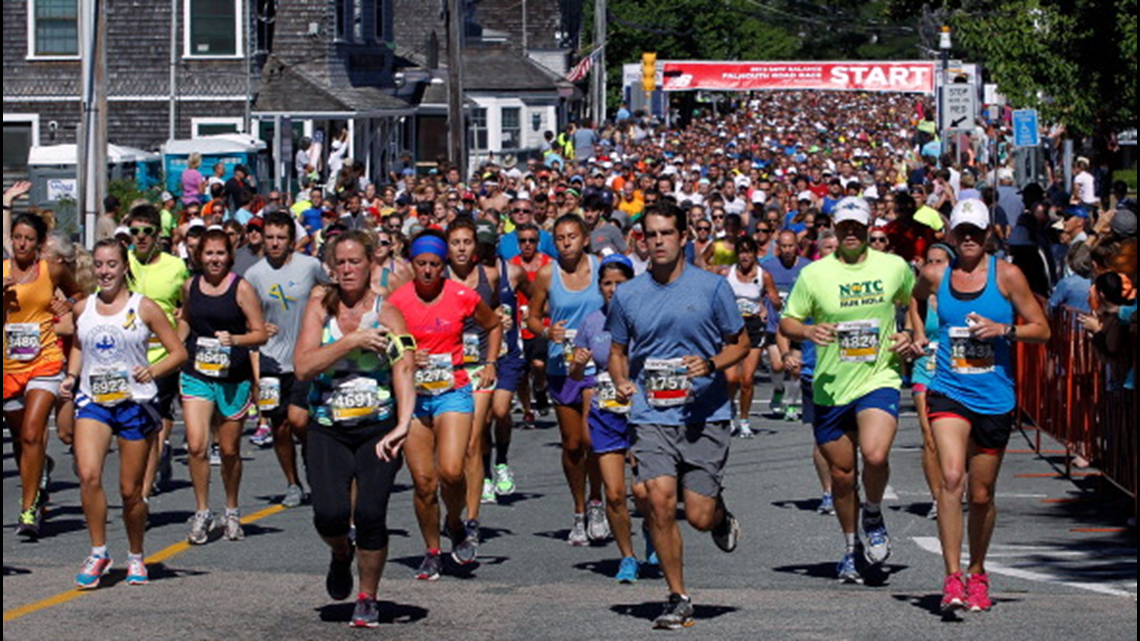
(635, 279)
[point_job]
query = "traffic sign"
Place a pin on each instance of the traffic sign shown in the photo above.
(1025, 128)
(959, 107)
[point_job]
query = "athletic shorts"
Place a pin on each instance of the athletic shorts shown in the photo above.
(990, 432)
(459, 401)
(534, 349)
(129, 420)
(231, 399)
(511, 373)
(770, 341)
(833, 421)
(167, 392)
(44, 377)
(807, 390)
(566, 391)
(609, 432)
(294, 393)
(695, 455)
(755, 327)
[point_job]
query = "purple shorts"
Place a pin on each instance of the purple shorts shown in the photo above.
(567, 391)
(609, 432)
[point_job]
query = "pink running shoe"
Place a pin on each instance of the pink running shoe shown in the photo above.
(978, 593)
(954, 593)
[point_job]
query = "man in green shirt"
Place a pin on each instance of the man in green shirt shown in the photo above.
(158, 276)
(853, 298)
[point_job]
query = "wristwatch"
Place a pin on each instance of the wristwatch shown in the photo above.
(1011, 333)
(711, 365)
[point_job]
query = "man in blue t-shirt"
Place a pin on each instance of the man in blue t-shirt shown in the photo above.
(675, 329)
(785, 268)
(311, 217)
(522, 212)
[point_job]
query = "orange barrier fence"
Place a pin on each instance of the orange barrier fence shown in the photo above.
(1066, 391)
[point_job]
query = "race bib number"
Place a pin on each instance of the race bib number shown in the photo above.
(568, 346)
(748, 307)
(606, 394)
(437, 378)
(969, 355)
(23, 341)
(269, 394)
(859, 341)
(357, 400)
(470, 349)
(667, 383)
(212, 358)
(110, 385)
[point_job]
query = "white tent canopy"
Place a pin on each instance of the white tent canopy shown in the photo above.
(65, 155)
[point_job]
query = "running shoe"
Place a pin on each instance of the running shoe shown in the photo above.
(136, 571)
(488, 495)
(678, 614)
(597, 527)
(294, 496)
(263, 436)
(791, 414)
(650, 551)
(847, 570)
(29, 523)
(231, 523)
(954, 593)
(933, 513)
(627, 571)
(465, 544)
(338, 581)
(200, 525)
(826, 505)
(744, 429)
(93, 570)
(166, 466)
(578, 536)
(45, 477)
(978, 593)
(541, 403)
(776, 405)
(430, 568)
(215, 455)
(366, 614)
(528, 421)
(727, 534)
(878, 548)
(504, 480)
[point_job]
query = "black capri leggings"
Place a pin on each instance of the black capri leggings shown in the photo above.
(335, 457)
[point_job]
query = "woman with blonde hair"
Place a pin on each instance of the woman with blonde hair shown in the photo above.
(193, 182)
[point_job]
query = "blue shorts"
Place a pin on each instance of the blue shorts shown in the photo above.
(808, 394)
(511, 373)
(231, 399)
(832, 422)
(609, 432)
(129, 420)
(459, 401)
(566, 391)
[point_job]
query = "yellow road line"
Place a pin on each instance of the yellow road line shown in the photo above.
(158, 557)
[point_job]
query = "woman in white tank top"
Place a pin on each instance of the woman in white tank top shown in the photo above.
(114, 390)
(755, 294)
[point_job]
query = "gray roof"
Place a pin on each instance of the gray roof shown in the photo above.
(316, 87)
(498, 68)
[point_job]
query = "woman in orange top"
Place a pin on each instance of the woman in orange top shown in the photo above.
(33, 359)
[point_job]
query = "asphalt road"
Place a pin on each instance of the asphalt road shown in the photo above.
(1063, 564)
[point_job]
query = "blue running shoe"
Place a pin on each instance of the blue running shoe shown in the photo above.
(136, 571)
(878, 540)
(847, 570)
(627, 571)
(650, 551)
(93, 570)
(827, 505)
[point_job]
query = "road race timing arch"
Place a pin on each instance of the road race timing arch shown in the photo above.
(704, 75)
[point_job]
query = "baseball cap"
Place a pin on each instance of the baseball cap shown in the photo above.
(122, 230)
(166, 195)
(620, 259)
(806, 195)
(1124, 223)
(486, 233)
(256, 221)
(854, 209)
(970, 211)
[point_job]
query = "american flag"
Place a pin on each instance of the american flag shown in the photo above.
(580, 70)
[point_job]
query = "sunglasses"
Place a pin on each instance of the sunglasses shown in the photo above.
(763, 230)
(528, 241)
(704, 228)
(385, 243)
(522, 211)
(718, 217)
(142, 231)
(883, 240)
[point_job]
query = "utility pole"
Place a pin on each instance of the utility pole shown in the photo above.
(456, 131)
(599, 80)
(172, 120)
(944, 46)
(91, 161)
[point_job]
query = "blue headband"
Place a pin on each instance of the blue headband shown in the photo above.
(430, 245)
(617, 258)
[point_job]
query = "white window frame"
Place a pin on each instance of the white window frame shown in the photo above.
(239, 30)
(195, 123)
(32, 119)
(32, 55)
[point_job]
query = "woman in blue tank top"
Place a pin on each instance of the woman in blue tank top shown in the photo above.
(567, 287)
(972, 397)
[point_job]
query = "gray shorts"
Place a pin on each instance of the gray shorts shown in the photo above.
(693, 454)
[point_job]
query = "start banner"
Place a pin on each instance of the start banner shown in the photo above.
(910, 77)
